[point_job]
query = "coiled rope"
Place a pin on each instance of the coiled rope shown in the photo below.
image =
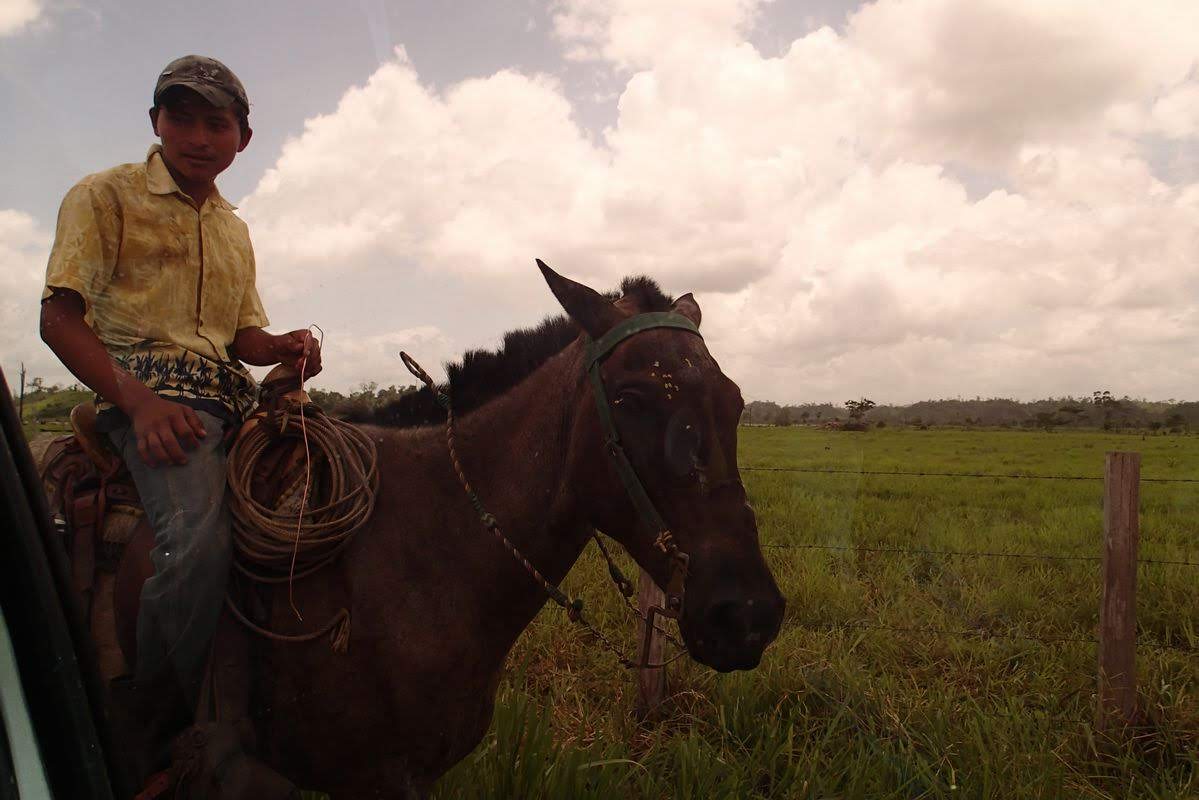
(272, 545)
(282, 543)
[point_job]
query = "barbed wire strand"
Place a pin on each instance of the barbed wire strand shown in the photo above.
(968, 633)
(971, 633)
(965, 633)
(923, 551)
(965, 553)
(996, 475)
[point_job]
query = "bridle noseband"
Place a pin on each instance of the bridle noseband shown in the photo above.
(597, 351)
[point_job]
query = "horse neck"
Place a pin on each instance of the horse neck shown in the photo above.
(515, 451)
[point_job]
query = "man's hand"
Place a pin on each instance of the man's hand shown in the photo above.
(164, 430)
(300, 351)
(297, 349)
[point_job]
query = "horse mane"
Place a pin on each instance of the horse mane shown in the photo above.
(483, 375)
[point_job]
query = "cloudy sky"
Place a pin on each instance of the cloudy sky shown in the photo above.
(903, 199)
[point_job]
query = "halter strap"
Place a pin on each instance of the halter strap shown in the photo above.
(597, 351)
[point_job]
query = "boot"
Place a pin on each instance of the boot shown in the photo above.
(211, 760)
(145, 715)
(208, 762)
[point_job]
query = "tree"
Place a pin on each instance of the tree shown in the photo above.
(859, 408)
(1073, 410)
(1047, 420)
(1110, 406)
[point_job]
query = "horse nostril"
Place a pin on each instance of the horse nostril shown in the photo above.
(743, 623)
(730, 619)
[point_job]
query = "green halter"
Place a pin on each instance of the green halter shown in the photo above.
(597, 351)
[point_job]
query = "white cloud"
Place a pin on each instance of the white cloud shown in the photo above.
(809, 199)
(461, 180)
(1176, 114)
(978, 80)
(633, 34)
(16, 15)
(24, 247)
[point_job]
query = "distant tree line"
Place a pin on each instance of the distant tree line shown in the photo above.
(1099, 410)
(359, 402)
(47, 402)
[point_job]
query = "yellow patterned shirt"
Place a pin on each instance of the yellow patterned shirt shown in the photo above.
(166, 286)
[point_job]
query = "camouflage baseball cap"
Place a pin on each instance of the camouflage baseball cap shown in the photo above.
(208, 77)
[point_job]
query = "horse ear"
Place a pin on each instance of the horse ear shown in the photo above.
(687, 306)
(584, 305)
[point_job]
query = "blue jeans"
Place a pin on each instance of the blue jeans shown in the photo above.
(186, 506)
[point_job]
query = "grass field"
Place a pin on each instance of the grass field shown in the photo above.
(849, 701)
(47, 412)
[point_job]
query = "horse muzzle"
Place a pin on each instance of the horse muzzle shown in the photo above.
(731, 632)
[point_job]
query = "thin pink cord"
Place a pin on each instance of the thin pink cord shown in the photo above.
(307, 477)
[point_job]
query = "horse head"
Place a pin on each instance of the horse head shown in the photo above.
(673, 415)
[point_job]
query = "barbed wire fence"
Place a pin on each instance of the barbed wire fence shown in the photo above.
(927, 474)
(964, 553)
(1117, 639)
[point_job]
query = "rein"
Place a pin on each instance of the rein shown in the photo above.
(597, 351)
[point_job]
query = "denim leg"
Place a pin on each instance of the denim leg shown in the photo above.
(186, 506)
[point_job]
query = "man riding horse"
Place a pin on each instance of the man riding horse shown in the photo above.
(150, 300)
(613, 418)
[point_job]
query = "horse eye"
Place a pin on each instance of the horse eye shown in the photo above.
(629, 400)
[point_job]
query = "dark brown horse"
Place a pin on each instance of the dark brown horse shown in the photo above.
(437, 603)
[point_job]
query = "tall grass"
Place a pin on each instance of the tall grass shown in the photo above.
(843, 711)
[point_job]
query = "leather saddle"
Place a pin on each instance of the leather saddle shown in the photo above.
(96, 511)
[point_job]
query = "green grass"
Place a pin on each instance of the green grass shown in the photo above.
(48, 411)
(849, 712)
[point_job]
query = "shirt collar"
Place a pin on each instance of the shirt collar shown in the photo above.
(159, 180)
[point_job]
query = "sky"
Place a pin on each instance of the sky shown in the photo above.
(901, 199)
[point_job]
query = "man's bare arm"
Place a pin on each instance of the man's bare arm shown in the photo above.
(256, 346)
(161, 427)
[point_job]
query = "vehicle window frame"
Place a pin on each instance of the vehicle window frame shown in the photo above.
(55, 659)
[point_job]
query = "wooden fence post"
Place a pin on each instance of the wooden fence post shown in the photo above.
(21, 402)
(651, 682)
(1117, 611)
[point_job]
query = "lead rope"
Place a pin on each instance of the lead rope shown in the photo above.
(291, 573)
(572, 607)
